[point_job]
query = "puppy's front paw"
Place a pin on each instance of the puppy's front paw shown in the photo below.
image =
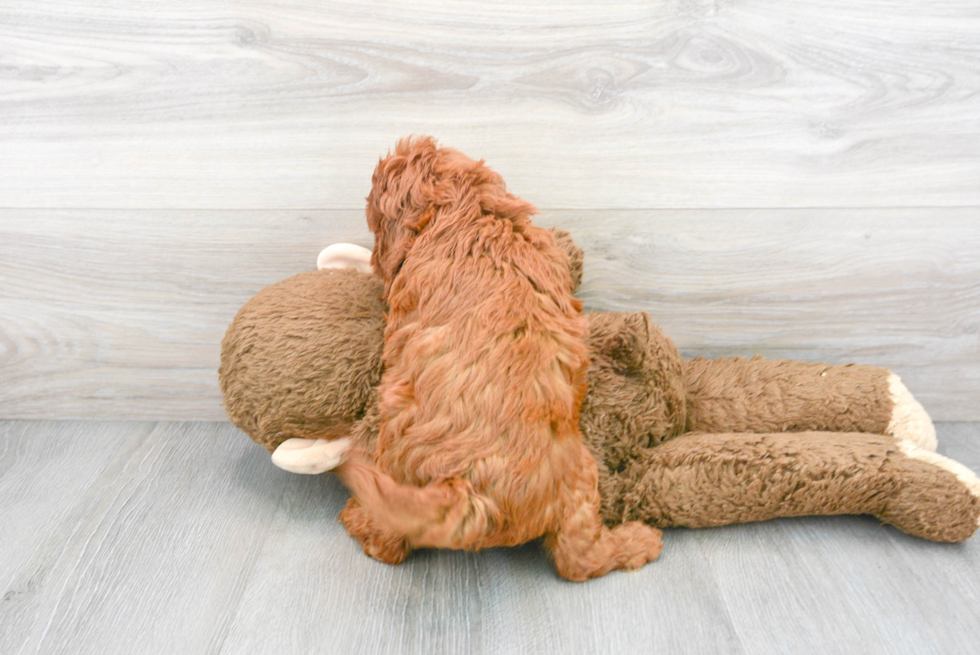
(909, 421)
(310, 456)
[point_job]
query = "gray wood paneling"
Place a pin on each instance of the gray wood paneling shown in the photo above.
(159, 163)
(177, 537)
(120, 313)
(630, 104)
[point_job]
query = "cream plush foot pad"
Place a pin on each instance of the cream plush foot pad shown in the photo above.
(345, 255)
(909, 421)
(310, 456)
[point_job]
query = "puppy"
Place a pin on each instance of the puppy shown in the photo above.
(485, 358)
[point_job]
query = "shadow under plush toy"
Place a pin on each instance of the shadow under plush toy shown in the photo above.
(678, 443)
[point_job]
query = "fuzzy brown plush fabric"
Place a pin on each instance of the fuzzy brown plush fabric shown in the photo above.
(322, 331)
(757, 395)
(702, 480)
(303, 357)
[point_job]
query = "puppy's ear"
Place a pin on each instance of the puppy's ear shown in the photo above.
(416, 145)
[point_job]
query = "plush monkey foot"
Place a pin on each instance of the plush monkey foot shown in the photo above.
(345, 255)
(310, 456)
(909, 420)
(939, 498)
(702, 480)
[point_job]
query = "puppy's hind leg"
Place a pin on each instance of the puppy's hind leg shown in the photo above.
(443, 514)
(383, 546)
(582, 547)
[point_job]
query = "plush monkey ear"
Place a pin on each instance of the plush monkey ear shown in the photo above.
(345, 255)
(310, 456)
(630, 346)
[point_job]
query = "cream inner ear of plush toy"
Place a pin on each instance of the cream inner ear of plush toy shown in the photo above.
(310, 456)
(345, 255)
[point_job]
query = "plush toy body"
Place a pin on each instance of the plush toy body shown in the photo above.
(488, 411)
(678, 443)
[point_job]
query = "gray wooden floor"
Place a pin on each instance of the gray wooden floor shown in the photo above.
(139, 537)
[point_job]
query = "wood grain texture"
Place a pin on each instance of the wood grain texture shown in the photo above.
(45, 472)
(896, 288)
(628, 104)
(182, 537)
(119, 314)
(152, 558)
(847, 584)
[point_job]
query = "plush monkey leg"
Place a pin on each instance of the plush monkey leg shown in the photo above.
(701, 480)
(780, 395)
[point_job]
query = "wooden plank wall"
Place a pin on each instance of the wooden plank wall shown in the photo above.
(792, 179)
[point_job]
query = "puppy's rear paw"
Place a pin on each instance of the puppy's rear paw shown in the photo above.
(642, 542)
(387, 548)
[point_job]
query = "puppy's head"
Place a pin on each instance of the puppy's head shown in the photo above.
(399, 205)
(421, 184)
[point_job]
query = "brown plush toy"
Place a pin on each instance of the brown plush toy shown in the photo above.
(678, 443)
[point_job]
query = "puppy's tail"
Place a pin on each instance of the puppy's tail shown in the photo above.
(443, 514)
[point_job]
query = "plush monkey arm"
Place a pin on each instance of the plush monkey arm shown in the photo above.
(702, 480)
(777, 395)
